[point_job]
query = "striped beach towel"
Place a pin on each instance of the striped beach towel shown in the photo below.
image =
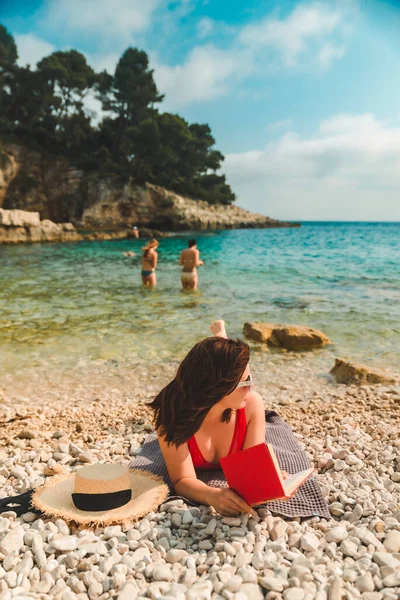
(308, 500)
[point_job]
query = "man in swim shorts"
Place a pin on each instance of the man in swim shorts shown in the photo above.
(190, 259)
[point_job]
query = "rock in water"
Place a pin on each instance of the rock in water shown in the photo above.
(288, 337)
(351, 373)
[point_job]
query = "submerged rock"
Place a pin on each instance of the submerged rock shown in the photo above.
(289, 337)
(351, 373)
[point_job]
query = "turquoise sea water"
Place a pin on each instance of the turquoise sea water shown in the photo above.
(63, 303)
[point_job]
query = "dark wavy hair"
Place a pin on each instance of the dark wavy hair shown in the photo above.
(210, 371)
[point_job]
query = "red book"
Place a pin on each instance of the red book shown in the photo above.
(254, 474)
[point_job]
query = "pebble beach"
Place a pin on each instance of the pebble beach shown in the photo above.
(351, 435)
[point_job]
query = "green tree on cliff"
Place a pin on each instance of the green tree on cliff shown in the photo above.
(45, 109)
(130, 96)
(8, 49)
(180, 157)
(70, 79)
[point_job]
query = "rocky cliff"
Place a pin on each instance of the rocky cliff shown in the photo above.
(61, 193)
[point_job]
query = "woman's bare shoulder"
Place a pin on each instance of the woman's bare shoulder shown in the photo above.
(254, 405)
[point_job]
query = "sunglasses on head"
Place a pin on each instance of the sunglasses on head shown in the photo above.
(246, 383)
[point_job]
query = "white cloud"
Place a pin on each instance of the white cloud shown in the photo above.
(108, 20)
(292, 35)
(348, 170)
(328, 53)
(205, 27)
(279, 126)
(32, 49)
(313, 31)
(203, 76)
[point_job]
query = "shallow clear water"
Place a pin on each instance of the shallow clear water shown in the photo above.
(61, 304)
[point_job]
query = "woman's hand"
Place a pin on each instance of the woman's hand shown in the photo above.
(229, 504)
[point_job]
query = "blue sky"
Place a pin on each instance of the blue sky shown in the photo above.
(302, 97)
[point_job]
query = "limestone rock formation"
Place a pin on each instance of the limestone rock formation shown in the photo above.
(345, 371)
(288, 337)
(19, 226)
(19, 218)
(62, 193)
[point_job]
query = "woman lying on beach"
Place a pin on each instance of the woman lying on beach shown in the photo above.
(149, 263)
(209, 411)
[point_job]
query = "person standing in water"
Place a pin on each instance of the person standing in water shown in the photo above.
(149, 263)
(190, 259)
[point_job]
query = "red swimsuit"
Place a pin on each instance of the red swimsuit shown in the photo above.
(238, 438)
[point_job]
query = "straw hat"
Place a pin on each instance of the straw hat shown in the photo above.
(101, 494)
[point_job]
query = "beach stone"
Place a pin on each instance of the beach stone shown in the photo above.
(364, 583)
(176, 520)
(95, 548)
(205, 545)
(366, 536)
(356, 514)
(273, 584)
(248, 575)
(231, 521)
(187, 517)
(211, 526)
(392, 541)
(234, 584)
(352, 373)
(112, 531)
(201, 590)
(294, 593)
(65, 544)
(309, 542)
(13, 541)
(336, 534)
(278, 530)
(95, 590)
(385, 559)
(86, 457)
(251, 591)
(162, 573)
(27, 434)
(336, 508)
(68, 595)
(140, 553)
(290, 337)
(242, 559)
(51, 470)
(349, 548)
(176, 555)
(237, 532)
(335, 590)
(392, 580)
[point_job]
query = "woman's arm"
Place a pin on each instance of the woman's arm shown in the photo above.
(183, 478)
(181, 258)
(198, 261)
(255, 417)
(154, 257)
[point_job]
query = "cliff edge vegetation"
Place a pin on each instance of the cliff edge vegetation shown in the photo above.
(45, 109)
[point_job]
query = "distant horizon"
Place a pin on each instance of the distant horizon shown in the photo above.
(341, 221)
